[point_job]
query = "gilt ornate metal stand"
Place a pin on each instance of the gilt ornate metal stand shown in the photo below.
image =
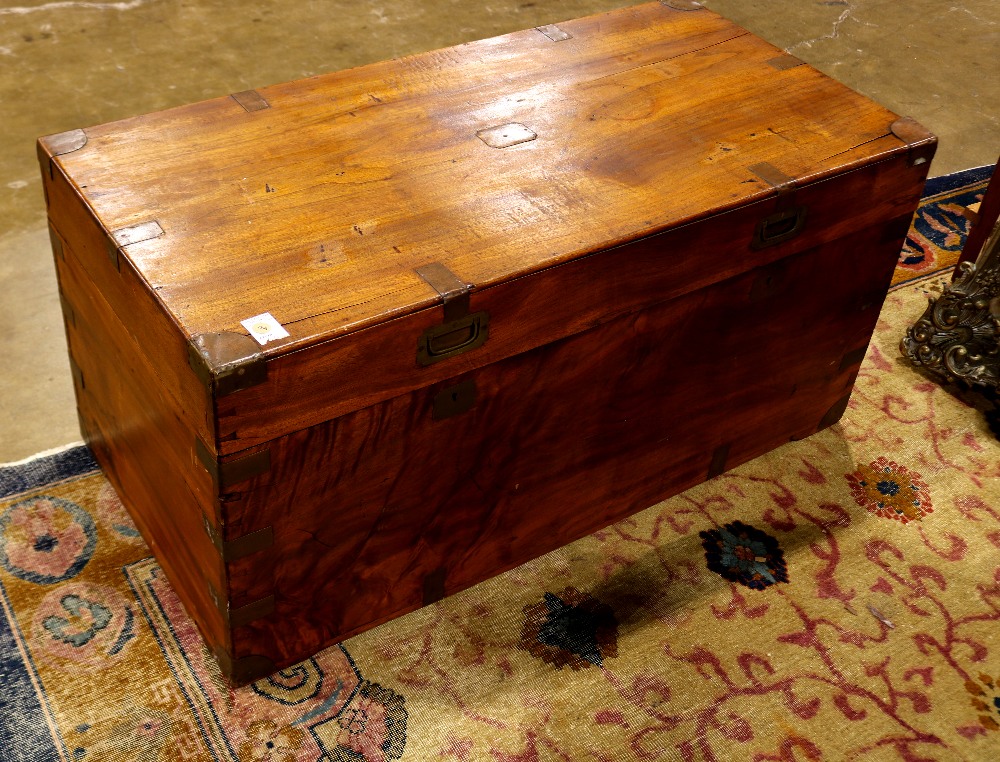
(958, 336)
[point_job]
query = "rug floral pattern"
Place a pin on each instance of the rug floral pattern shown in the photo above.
(838, 598)
(941, 224)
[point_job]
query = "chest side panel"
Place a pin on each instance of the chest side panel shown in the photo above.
(102, 264)
(385, 509)
(131, 422)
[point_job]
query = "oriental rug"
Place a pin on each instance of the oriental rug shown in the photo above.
(838, 598)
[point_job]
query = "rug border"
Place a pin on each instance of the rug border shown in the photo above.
(922, 277)
(34, 679)
(40, 471)
(935, 186)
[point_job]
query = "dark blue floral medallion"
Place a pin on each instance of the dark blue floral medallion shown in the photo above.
(571, 628)
(744, 554)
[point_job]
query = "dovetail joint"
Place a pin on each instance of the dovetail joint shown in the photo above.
(241, 547)
(67, 309)
(232, 472)
(258, 609)
(77, 373)
(237, 617)
(57, 244)
(121, 237)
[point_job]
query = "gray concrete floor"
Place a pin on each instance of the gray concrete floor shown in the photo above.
(65, 65)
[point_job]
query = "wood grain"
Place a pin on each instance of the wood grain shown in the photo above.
(641, 340)
(318, 208)
(99, 338)
(145, 450)
(327, 380)
(562, 441)
(160, 341)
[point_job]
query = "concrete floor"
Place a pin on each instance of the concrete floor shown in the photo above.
(65, 65)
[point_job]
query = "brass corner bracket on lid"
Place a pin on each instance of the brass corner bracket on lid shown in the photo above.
(554, 33)
(251, 100)
(227, 362)
(921, 143)
(59, 144)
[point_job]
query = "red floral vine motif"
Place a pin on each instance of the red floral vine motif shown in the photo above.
(921, 598)
(921, 584)
(738, 605)
(650, 695)
(853, 699)
(423, 672)
(787, 749)
(868, 392)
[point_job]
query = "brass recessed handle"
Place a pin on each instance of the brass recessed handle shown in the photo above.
(453, 338)
(779, 227)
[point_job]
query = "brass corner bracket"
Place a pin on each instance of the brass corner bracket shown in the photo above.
(226, 361)
(920, 141)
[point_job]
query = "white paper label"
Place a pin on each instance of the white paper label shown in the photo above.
(264, 328)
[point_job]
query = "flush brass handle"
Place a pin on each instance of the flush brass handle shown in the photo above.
(453, 338)
(779, 227)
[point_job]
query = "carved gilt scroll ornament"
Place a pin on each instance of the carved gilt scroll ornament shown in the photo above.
(958, 336)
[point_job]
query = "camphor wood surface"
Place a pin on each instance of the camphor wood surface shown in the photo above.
(638, 343)
(322, 382)
(129, 421)
(371, 508)
(319, 208)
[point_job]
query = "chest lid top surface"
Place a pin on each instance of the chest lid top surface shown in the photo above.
(316, 201)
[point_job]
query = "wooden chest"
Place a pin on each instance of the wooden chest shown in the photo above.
(350, 344)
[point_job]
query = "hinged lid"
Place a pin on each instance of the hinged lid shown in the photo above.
(321, 202)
